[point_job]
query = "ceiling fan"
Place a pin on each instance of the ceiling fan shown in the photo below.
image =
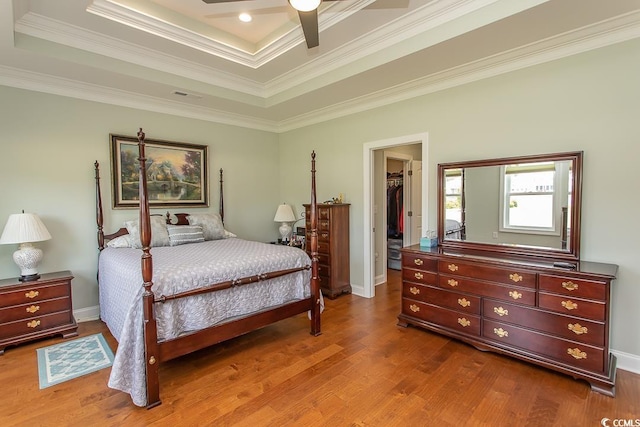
(308, 13)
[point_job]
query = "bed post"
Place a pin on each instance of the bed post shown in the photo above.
(221, 210)
(99, 216)
(150, 328)
(315, 281)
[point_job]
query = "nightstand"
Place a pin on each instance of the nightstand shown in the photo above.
(36, 309)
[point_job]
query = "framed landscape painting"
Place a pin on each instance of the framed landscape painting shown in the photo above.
(176, 173)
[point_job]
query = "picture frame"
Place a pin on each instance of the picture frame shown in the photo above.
(177, 173)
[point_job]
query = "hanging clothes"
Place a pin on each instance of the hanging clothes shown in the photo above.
(395, 209)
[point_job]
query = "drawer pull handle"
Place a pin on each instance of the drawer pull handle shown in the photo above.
(577, 328)
(464, 322)
(452, 282)
(33, 309)
(33, 324)
(570, 286)
(576, 353)
(500, 332)
(32, 294)
(325, 235)
(452, 267)
(414, 290)
(569, 305)
(419, 276)
(418, 261)
(515, 294)
(501, 311)
(515, 277)
(414, 308)
(464, 302)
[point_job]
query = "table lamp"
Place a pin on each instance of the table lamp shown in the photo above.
(284, 215)
(24, 229)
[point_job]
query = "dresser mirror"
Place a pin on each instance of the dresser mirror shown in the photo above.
(527, 205)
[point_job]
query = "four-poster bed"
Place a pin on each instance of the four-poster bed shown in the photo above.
(194, 295)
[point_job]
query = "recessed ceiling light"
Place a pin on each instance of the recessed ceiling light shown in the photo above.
(245, 17)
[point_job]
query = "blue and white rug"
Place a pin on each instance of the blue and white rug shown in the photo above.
(71, 359)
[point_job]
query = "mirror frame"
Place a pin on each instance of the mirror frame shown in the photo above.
(570, 254)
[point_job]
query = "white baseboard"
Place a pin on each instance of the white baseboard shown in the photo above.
(379, 280)
(87, 314)
(357, 290)
(627, 361)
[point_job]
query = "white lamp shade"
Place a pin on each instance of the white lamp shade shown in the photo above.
(24, 228)
(305, 5)
(284, 214)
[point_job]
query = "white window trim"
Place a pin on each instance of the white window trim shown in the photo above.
(554, 230)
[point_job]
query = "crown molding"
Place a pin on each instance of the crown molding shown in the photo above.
(616, 30)
(46, 28)
(23, 79)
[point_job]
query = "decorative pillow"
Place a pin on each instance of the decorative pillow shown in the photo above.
(159, 235)
(181, 234)
(212, 226)
(120, 242)
(228, 234)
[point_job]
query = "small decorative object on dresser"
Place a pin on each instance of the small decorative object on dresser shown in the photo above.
(36, 309)
(333, 247)
(534, 300)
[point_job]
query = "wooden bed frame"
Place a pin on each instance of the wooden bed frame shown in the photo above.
(157, 352)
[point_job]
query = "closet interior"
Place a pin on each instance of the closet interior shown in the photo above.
(395, 213)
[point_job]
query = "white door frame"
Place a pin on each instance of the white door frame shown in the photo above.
(368, 169)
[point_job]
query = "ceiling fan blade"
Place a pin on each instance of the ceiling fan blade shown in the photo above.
(309, 22)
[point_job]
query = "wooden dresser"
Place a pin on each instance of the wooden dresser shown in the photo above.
(32, 310)
(333, 247)
(554, 317)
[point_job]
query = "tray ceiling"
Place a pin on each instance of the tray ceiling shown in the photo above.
(199, 60)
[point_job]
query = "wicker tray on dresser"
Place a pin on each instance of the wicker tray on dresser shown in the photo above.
(553, 317)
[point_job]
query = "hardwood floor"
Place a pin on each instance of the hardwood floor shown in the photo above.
(362, 371)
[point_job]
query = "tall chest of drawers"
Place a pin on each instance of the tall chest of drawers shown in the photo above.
(554, 317)
(333, 247)
(36, 309)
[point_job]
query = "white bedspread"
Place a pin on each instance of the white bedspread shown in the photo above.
(181, 268)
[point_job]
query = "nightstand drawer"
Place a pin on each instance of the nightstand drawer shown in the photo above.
(34, 309)
(33, 293)
(35, 324)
